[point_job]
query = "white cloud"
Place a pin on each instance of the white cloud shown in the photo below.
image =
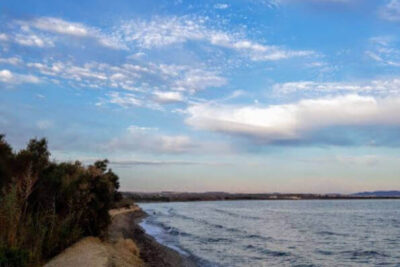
(326, 1)
(44, 124)
(190, 79)
(150, 140)
(256, 51)
(149, 84)
(167, 97)
(11, 61)
(130, 162)
(391, 11)
(163, 31)
(62, 27)
(157, 81)
(294, 121)
(130, 100)
(221, 6)
(92, 74)
(384, 87)
(316, 2)
(172, 70)
(125, 100)
(29, 39)
(179, 143)
(7, 76)
(153, 140)
(3, 37)
(384, 51)
(198, 79)
(367, 160)
(236, 94)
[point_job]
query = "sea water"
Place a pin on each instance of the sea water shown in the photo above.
(280, 232)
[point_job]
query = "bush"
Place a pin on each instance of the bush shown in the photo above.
(46, 206)
(11, 257)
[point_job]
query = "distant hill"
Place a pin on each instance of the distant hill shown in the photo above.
(378, 194)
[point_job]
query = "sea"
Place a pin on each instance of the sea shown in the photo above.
(279, 232)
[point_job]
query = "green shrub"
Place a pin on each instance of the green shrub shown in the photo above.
(11, 257)
(46, 206)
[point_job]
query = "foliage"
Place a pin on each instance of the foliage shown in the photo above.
(45, 206)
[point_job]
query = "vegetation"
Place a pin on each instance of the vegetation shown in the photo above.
(45, 206)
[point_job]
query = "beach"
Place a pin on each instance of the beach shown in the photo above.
(126, 244)
(152, 253)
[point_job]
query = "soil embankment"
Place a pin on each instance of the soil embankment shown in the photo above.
(126, 245)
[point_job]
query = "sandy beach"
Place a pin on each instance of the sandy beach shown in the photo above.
(126, 244)
(152, 253)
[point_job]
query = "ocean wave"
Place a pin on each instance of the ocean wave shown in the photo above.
(324, 252)
(204, 222)
(221, 234)
(266, 251)
(168, 229)
(259, 237)
(232, 214)
(363, 254)
(172, 231)
(329, 233)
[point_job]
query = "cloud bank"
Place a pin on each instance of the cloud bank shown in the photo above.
(296, 121)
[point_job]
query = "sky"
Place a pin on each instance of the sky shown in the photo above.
(185, 95)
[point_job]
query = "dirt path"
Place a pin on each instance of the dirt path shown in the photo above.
(126, 245)
(93, 252)
(131, 209)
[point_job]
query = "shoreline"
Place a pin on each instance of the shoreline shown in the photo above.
(152, 253)
(142, 197)
(280, 199)
(126, 244)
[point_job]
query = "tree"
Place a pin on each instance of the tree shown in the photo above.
(6, 162)
(45, 206)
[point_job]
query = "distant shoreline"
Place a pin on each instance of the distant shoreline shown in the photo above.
(139, 197)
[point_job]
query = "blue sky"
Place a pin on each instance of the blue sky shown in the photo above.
(239, 96)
